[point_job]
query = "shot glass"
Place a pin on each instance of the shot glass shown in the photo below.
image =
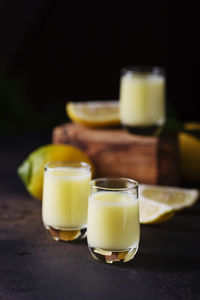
(65, 199)
(113, 230)
(142, 99)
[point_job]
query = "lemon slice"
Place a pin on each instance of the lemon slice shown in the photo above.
(152, 212)
(94, 113)
(176, 198)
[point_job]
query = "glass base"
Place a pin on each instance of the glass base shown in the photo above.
(66, 235)
(142, 130)
(111, 257)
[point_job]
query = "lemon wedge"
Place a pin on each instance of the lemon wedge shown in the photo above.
(94, 113)
(152, 212)
(174, 197)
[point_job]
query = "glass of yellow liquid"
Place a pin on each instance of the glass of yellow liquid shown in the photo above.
(65, 199)
(113, 230)
(142, 99)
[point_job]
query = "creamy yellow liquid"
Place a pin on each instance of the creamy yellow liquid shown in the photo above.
(65, 197)
(142, 100)
(113, 221)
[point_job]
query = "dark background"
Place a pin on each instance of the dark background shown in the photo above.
(55, 51)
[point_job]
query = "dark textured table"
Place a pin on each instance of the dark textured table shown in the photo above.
(32, 266)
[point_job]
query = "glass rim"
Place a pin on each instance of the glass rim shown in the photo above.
(76, 164)
(134, 183)
(155, 70)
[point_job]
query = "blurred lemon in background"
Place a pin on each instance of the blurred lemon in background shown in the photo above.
(189, 144)
(31, 170)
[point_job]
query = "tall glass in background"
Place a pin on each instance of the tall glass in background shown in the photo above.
(65, 199)
(113, 219)
(142, 99)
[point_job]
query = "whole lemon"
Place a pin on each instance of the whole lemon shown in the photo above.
(31, 170)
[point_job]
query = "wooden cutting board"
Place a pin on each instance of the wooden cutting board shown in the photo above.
(115, 152)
